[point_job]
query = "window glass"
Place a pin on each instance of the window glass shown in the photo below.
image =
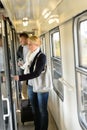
(56, 44)
(83, 43)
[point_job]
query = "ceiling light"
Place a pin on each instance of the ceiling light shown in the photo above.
(45, 11)
(50, 21)
(47, 14)
(53, 18)
(25, 21)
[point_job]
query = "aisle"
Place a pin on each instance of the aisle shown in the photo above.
(30, 125)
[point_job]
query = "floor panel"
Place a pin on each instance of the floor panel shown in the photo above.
(30, 125)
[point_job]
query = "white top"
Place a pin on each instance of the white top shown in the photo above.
(25, 51)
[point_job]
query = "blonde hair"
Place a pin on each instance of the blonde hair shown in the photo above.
(35, 40)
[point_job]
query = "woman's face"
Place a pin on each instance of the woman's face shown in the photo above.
(32, 46)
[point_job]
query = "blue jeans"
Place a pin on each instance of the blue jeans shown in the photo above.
(39, 106)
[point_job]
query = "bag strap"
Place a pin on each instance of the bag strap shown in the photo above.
(37, 59)
(45, 67)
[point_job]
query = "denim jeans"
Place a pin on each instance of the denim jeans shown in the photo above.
(39, 106)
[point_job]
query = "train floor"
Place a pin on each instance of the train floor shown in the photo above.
(30, 125)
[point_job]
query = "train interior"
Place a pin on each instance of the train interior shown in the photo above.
(62, 28)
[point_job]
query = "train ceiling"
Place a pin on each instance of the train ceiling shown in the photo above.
(34, 10)
(41, 15)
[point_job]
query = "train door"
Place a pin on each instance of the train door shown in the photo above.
(8, 109)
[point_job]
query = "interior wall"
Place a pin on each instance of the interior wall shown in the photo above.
(68, 66)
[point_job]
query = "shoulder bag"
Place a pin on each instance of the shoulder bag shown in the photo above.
(43, 83)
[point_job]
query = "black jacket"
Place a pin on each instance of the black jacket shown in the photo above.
(20, 53)
(41, 61)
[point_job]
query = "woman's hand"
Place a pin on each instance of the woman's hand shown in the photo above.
(16, 77)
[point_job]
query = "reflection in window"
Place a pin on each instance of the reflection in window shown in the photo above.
(83, 43)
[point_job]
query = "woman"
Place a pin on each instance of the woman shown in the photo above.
(35, 62)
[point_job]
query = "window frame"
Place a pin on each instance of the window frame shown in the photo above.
(79, 69)
(56, 65)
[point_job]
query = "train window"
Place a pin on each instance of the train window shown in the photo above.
(83, 43)
(56, 61)
(80, 36)
(56, 44)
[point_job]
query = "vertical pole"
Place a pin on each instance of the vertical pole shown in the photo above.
(2, 126)
(8, 76)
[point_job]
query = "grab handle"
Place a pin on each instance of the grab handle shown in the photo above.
(6, 108)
